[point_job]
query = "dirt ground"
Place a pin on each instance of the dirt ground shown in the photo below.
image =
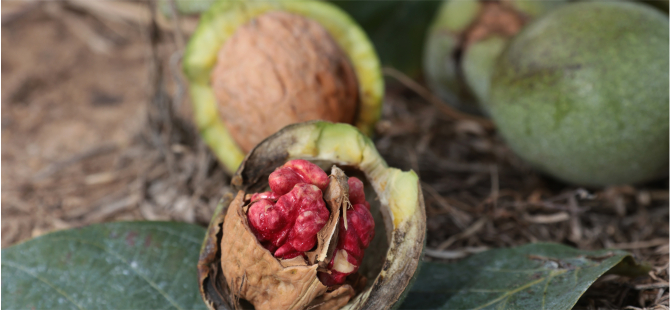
(83, 143)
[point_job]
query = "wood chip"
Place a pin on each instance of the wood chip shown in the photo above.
(547, 219)
(442, 254)
(651, 286)
(107, 210)
(150, 212)
(100, 178)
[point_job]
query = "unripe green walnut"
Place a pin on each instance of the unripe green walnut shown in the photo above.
(582, 93)
(464, 41)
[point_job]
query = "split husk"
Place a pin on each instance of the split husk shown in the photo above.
(222, 21)
(397, 205)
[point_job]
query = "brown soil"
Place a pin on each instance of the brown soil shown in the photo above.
(59, 98)
(86, 139)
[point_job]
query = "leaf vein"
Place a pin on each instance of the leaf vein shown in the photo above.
(504, 303)
(25, 269)
(119, 257)
(519, 270)
(546, 284)
(509, 293)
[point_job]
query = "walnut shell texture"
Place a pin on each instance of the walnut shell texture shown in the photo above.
(278, 69)
(231, 257)
(252, 273)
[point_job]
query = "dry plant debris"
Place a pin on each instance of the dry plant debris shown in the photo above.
(79, 149)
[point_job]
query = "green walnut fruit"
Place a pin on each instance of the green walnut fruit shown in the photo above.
(390, 263)
(257, 66)
(464, 41)
(582, 93)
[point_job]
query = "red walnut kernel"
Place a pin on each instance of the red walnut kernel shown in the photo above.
(288, 220)
(252, 273)
(289, 226)
(351, 244)
(297, 171)
(279, 69)
(353, 238)
(269, 223)
(264, 195)
(356, 192)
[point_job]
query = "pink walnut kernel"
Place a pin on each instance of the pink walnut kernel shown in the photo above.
(356, 192)
(297, 171)
(352, 240)
(264, 195)
(287, 219)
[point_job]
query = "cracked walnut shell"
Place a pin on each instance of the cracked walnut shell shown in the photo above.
(235, 267)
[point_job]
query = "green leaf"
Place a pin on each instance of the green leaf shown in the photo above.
(534, 276)
(397, 29)
(124, 265)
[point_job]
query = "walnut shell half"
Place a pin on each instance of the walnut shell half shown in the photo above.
(391, 261)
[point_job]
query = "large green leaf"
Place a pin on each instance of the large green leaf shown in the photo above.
(534, 276)
(397, 29)
(151, 265)
(125, 265)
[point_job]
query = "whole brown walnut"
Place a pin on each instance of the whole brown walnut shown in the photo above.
(278, 69)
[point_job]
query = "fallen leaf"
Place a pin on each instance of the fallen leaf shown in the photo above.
(124, 265)
(534, 276)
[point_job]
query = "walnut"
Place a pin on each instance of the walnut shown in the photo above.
(237, 265)
(254, 274)
(279, 69)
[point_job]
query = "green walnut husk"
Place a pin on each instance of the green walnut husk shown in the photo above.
(221, 21)
(587, 102)
(457, 62)
(392, 260)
